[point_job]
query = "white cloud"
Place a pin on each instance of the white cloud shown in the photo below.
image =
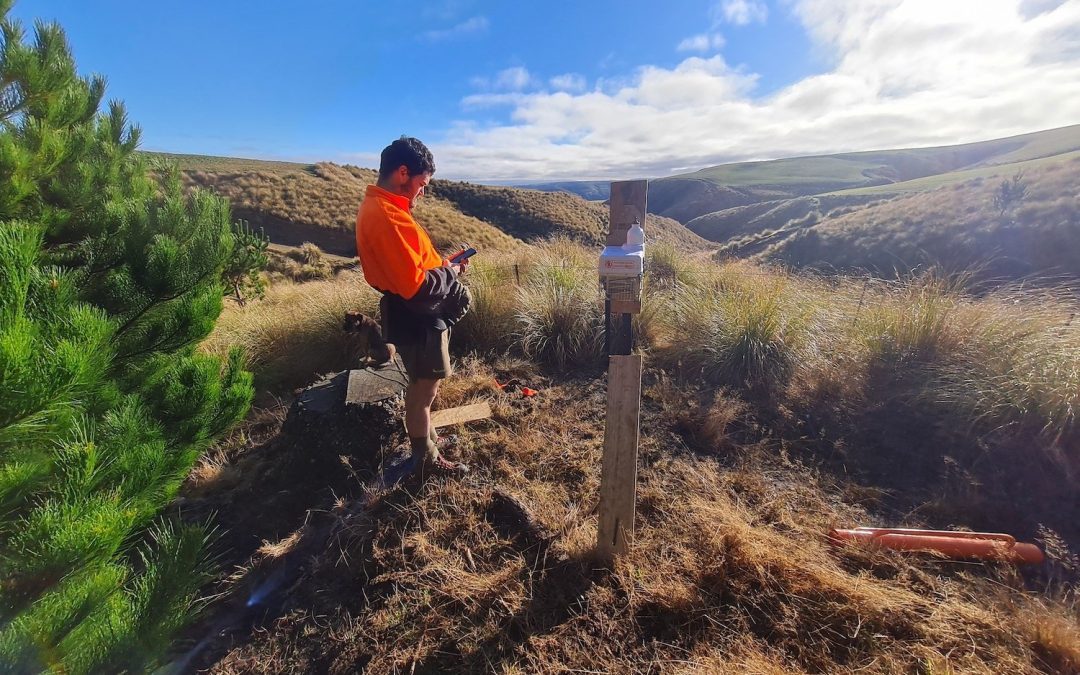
(741, 12)
(905, 73)
(702, 43)
(474, 26)
(572, 82)
(514, 79)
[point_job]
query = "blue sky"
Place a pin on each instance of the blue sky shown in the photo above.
(582, 90)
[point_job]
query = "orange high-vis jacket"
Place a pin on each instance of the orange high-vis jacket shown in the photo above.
(394, 250)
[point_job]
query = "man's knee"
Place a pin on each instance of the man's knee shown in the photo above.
(424, 390)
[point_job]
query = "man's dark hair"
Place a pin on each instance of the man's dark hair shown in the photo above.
(409, 152)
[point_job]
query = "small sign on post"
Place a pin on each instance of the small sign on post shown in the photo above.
(622, 265)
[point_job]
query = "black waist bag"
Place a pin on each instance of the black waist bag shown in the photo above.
(406, 322)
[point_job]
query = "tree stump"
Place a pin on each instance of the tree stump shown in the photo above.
(354, 412)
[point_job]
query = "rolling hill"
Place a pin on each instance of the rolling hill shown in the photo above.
(881, 211)
(957, 227)
(294, 203)
(532, 214)
(593, 190)
(688, 196)
(893, 216)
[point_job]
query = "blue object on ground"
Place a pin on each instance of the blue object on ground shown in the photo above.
(396, 471)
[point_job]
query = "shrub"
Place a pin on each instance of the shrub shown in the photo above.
(746, 337)
(107, 286)
(301, 264)
(243, 274)
(559, 310)
(1010, 193)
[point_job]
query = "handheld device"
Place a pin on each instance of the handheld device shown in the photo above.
(463, 255)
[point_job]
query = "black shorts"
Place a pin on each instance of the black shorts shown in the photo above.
(429, 358)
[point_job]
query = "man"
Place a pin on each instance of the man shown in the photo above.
(422, 296)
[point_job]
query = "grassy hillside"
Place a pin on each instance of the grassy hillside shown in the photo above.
(691, 195)
(319, 204)
(229, 164)
(295, 203)
(954, 177)
(956, 226)
(533, 214)
(761, 217)
(774, 407)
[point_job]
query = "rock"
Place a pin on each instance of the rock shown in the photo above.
(354, 413)
(511, 519)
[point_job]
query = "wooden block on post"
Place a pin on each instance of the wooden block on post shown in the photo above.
(618, 481)
(626, 205)
(626, 306)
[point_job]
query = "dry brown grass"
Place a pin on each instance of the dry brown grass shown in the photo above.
(295, 332)
(273, 550)
(730, 571)
(325, 194)
(303, 263)
(326, 197)
(894, 404)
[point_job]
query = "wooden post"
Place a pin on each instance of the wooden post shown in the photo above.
(626, 205)
(618, 476)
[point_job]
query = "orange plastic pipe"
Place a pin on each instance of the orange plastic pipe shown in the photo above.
(979, 545)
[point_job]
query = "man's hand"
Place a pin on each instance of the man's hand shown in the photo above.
(459, 268)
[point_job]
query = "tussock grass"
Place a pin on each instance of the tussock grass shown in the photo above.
(1005, 363)
(490, 324)
(559, 315)
(746, 336)
(295, 332)
(559, 322)
(1026, 373)
(668, 265)
(911, 323)
(300, 264)
(775, 407)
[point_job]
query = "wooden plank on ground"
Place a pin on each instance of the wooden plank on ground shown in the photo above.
(461, 414)
(618, 474)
